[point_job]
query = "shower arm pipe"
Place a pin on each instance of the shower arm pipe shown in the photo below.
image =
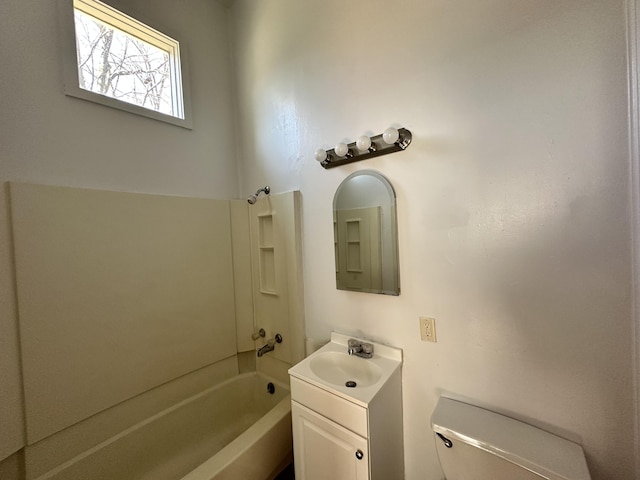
(254, 197)
(378, 147)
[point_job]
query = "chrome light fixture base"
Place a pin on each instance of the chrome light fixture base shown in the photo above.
(378, 147)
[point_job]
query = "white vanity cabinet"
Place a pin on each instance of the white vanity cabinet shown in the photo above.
(326, 450)
(344, 433)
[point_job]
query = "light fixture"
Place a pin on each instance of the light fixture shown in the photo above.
(364, 144)
(321, 155)
(342, 150)
(391, 140)
(390, 136)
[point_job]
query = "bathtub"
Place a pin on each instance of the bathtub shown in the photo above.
(236, 430)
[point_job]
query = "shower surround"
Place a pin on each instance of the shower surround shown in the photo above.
(129, 307)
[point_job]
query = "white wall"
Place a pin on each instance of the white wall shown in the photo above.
(46, 137)
(50, 138)
(512, 199)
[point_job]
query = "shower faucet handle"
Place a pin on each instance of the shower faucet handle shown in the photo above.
(270, 345)
(258, 334)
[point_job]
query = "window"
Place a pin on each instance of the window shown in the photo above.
(114, 59)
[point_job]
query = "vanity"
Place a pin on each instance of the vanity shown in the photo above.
(346, 408)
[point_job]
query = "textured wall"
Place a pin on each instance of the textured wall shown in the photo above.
(513, 200)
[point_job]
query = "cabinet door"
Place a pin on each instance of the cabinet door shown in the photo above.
(324, 450)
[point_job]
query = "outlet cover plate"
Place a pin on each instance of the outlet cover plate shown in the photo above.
(428, 329)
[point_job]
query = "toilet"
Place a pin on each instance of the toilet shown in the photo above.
(477, 444)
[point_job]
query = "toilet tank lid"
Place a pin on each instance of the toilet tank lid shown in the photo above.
(536, 450)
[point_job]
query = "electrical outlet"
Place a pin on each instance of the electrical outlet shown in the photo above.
(428, 329)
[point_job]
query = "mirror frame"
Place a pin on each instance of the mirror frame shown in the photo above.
(389, 262)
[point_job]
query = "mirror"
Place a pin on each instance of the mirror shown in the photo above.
(365, 234)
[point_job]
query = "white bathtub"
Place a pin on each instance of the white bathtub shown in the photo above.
(236, 430)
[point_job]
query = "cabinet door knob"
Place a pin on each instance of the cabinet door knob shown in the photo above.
(359, 454)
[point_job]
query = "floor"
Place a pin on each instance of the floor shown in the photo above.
(287, 473)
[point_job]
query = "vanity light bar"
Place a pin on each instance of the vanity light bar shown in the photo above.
(391, 140)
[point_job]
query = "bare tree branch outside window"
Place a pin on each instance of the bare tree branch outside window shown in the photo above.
(118, 65)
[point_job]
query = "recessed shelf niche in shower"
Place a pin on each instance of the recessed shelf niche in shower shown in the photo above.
(267, 255)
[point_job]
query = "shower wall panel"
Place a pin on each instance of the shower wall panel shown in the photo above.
(276, 262)
(242, 274)
(117, 293)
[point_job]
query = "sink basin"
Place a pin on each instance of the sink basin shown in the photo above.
(353, 378)
(339, 368)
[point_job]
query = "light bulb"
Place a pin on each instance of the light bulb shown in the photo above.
(321, 155)
(390, 135)
(363, 143)
(341, 149)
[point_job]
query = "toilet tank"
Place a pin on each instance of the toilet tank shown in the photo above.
(477, 444)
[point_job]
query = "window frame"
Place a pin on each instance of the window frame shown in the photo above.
(138, 27)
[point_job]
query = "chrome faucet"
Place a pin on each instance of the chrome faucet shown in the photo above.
(270, 345)
(359, 349)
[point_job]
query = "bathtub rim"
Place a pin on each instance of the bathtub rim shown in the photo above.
(143, 423)
(231, 452)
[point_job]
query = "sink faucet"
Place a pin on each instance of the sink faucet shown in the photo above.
(270, 345)
(360, 349)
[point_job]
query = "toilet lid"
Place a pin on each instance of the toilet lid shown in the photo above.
(536, 450)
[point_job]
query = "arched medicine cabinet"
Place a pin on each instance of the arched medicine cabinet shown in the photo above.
(366, 234)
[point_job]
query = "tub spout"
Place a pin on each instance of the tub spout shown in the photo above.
(267, 347)
(270, 345)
